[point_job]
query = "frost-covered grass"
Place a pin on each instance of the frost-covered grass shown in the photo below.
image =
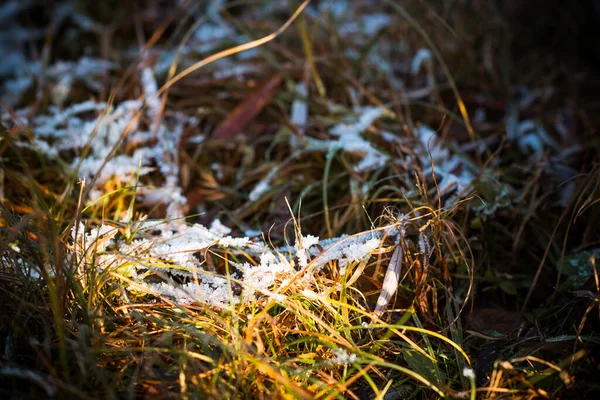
(360, 237)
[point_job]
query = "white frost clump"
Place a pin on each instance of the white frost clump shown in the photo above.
(211, 290)
(61, 77)
(96, 240)
(345, 249)
(179, 247)
(302, 245)
(261, 278)
(469, 373)
(423, 56)
(357, 252)
(342, 357)
(454, 174)
(299, 112)
(170, 249)
(349, 139)
(217, 227)
(69, 130)
(259, 190)
(533, 138)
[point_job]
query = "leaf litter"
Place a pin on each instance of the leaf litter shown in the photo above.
(364, 133)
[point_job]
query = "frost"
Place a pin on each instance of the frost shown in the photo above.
(422, 56)
(260, 189)
(175, 250)
(454, 174)
(533, 138)
(561, 338)
(424, 246)
(208, 36)
(212, 291)
(150, 89)
(71, 130)
(302, 245)
(61, 76)
(217, 227)
(96, 240)
(367, 25)
(365, 119)
(309, 241)
(309, 294)
(264, 276)
(345, 249)
(342, 357)
(349, 139)
(299, 112)
(234, 242)
(357, 252)
(469, 373)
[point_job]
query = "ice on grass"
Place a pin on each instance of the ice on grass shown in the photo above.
(261, 188)
(95, 240)
(171, 250)
(423, 56)
(60, 76)
(342, 357)
(176, 250)
(357, 252)
(367, 25)
(93, 140)
(348, 138)
(150, 90)
(218, 227)
(302, 245)
(263, 277)
(453, 173)
(299, 112)
(345, 249)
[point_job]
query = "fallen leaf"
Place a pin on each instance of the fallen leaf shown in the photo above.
(247, 110)
(496, 319)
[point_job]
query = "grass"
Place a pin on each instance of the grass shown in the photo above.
(459, 262)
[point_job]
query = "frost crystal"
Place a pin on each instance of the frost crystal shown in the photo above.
(71, 130)
(302, 245)
(61, 76)
(469, 373)
(259, 189)
(342, 357)
(453, 173)
(349, 139)
(299, 112)
(422, 56)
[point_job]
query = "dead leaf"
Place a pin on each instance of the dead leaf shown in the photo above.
(496, 319)
(247, 110)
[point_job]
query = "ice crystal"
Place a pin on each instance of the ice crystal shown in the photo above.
(261, 188)
(469, 373)
(423, 56)
(454, 174)
(349, 139)
(342, 357)
(71, 130)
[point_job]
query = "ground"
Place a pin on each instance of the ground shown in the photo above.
(326, 199)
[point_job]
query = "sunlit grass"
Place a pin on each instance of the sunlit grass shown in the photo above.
(125, 285)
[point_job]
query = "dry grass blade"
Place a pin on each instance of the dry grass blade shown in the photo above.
(391, 279)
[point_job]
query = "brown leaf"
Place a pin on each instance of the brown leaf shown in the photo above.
(494, 319)
(247, 110)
